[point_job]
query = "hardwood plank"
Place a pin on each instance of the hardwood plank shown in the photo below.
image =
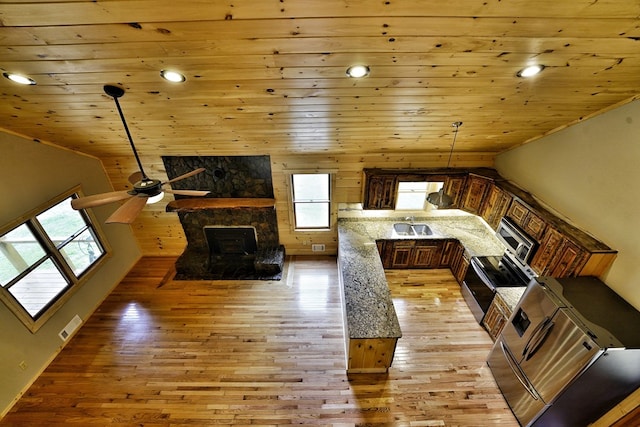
(264, 353)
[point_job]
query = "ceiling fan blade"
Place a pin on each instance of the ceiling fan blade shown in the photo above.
(187, 192)
(135, 177)
(186, 175)
(99, 199)
(128, 212)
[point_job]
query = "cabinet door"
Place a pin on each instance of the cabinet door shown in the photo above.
(380, 192)
(401, 254)
(454, 187)
(569, 260)
(460, 265)
(518, 213)
(496, 317)
(534, 225)
(449, 251)
(496, 206)
(426, 254)
(474, 193)
(542, 261)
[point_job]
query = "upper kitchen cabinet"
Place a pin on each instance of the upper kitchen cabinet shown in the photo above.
(496, 205)
(379, 190)
(527, 219)
(454, 186)
(475, 192)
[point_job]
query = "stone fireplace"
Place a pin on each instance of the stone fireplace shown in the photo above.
(230, 232)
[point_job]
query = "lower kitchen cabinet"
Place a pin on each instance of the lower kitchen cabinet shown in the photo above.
(496, 316)
(421, 253)
(459, 263)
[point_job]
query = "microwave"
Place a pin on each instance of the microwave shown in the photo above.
(519, 244)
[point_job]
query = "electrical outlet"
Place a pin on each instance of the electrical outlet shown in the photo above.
(23, 365)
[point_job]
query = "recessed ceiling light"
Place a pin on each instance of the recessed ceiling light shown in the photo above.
(19, 78)
(357, 71)
(530, 71)
(172, 76)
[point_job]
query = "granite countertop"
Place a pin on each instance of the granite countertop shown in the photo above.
(511, 295)
(369, 308)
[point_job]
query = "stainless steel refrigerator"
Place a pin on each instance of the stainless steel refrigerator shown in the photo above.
(569, 352)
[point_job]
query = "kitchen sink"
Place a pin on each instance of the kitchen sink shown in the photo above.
(406, 229)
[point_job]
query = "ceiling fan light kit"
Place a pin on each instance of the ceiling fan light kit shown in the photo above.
(439, 198)
(145, 190)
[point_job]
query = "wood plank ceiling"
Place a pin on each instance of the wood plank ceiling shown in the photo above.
(270, 75)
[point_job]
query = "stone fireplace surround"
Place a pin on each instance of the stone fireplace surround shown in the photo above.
(228, 178)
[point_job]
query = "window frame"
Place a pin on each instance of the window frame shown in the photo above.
(74, 282)
(329, 201)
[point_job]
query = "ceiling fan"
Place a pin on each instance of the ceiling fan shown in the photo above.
(145, 190)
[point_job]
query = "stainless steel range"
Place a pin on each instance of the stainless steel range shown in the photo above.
(486, 273)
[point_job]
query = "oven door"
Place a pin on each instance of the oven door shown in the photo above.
(477, 294)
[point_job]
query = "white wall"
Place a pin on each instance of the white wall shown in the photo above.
(590, 173)
(32, 173)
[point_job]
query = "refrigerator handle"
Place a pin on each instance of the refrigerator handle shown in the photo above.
(516, 371)
(537, 343)
(543, 323)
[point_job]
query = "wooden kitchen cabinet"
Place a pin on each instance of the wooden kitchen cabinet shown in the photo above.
(527, 219)
(496, 205)
(474, 194)
(449, 251)
(380, 191)
(496, 316)
(559, 256)
(419, 253)
(459, 263)
(454, 186)
(426, 254)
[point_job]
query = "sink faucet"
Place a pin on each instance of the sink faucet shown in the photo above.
(409, 218)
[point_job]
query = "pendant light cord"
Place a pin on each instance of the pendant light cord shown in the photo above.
(455, 134)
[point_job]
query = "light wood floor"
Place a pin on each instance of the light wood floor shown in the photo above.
(265, 353)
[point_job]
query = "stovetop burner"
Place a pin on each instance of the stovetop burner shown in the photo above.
(500, 271)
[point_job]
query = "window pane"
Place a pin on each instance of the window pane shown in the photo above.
(38, 288)
(310, 187)
(61, 222)
(312, 215)
(81, 252)
(415, 186)
(413, 201)
(19, 250)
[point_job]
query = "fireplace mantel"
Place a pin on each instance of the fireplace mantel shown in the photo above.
(197, 204)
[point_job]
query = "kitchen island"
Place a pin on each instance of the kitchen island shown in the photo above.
(370, 321)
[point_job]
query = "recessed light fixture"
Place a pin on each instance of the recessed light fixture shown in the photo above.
(530, 71)
(358, 71)
(172, 76)
(19, 78)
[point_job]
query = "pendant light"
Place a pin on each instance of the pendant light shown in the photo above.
(440, 199)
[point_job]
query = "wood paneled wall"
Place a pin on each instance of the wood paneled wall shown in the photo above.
(160, 232)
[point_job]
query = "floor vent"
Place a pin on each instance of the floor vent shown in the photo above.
(70, 328)
(317, 247)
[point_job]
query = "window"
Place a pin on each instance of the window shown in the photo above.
(44, 257)
(311, 200)
(413, 195)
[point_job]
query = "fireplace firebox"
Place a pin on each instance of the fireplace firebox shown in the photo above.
(231, 240)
